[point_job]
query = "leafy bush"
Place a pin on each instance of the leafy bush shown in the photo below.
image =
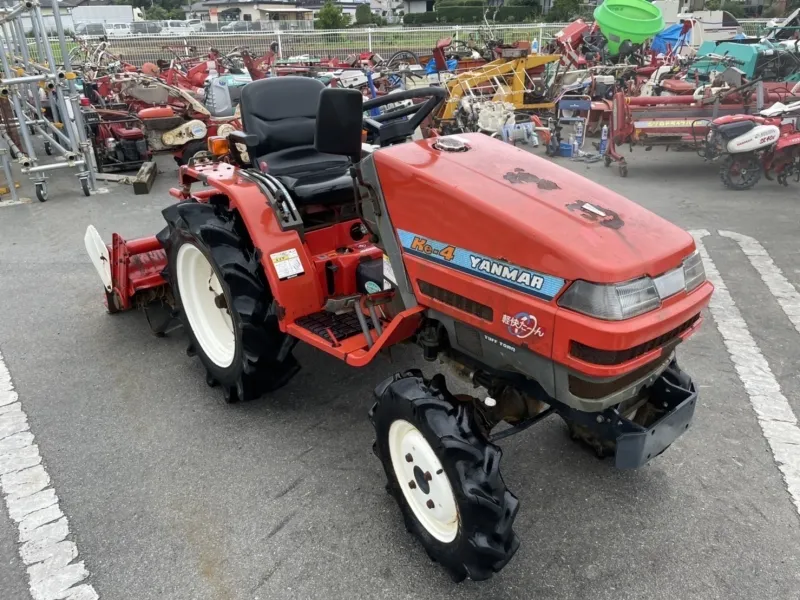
(420, 18)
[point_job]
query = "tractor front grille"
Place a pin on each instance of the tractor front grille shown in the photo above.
(617, 357)
(455, 300)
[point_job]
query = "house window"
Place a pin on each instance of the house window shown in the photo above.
(247, 17)
(429, 5)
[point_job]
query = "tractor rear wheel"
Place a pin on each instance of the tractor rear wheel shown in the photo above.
(445, 476)
(224, 302)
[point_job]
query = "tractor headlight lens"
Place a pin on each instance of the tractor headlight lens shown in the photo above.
(612, 302)
(693, 271)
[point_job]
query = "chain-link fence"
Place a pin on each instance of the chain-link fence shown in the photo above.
(329, 43)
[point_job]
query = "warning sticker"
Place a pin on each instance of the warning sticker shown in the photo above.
(388, 273)
(287, 264)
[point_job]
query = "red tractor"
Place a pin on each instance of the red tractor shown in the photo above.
(546, 291)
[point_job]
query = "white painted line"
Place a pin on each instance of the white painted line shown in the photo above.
(4, 203)
(778, 422)
(33, 505)
(780, 287)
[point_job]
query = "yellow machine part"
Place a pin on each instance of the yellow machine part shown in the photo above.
(511, 75)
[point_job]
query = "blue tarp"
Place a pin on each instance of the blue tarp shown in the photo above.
(672, 36)
(430, 67)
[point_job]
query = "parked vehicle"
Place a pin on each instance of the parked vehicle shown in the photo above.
(242, 26)
(175, 28)
(118, 29)
(321, 238)
(90, 29)
(209, 27)
(196, 25)
(145, 28)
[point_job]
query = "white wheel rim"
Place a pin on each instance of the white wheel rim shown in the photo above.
(424, 483)
(199, 286)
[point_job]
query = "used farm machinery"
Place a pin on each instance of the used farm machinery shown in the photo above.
(562, 299)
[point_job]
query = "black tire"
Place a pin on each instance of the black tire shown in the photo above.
(48, 149)
(41, 192)
(411, 58)
(747, 163)
(263, 359)
(485, 541)
(85, 186)
(190, 149)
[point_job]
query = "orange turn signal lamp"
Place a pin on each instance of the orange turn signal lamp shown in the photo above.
(218, 146)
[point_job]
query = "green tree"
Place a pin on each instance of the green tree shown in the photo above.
(526, 3)
(331, 16)
(563, 11)
(363, 14)
(171, 8)
(156, 13)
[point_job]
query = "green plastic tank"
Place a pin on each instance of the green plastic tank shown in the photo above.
(634, 20)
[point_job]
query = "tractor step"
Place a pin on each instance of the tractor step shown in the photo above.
(324, 324)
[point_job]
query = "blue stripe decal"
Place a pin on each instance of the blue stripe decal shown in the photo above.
(512, 276)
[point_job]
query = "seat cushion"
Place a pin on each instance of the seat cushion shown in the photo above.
(301, 160)
(311, 177)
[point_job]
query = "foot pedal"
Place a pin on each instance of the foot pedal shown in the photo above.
(324, 323)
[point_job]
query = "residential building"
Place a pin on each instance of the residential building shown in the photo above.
(418, 6)
(196, 10)
(252, 10)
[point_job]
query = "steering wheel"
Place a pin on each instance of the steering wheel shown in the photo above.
(393, 126)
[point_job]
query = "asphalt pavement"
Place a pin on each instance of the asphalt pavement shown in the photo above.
(170, 494)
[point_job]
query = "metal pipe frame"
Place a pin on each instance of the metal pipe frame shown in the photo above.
(53, 166)
(46, 122)
(22, 81)
(48, 138)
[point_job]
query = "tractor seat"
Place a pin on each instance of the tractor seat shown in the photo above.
(281, 112)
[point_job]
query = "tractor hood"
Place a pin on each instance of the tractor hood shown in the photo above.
(508, 204)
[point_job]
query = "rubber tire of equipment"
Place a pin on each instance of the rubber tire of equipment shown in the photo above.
(190, 149)
(727, 165)
(263, 359)
(485, 541)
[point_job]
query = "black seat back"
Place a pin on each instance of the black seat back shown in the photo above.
(281, 112)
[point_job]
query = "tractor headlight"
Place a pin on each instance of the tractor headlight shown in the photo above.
(693, 271)
(620, 301)
(612, 302)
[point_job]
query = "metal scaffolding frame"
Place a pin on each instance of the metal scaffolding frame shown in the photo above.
(30, 71)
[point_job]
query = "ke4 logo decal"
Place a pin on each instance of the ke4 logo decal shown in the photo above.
(421, 245)
(500, 272)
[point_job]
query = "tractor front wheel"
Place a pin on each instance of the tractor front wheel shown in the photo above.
(445, 476)
(224, 302)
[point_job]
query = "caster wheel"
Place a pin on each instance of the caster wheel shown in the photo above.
(48, 149)
(41, 192)
(85, 186)
(607, 161)
(623, 170)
